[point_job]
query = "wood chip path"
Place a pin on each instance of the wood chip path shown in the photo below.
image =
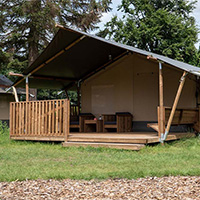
(180, 187)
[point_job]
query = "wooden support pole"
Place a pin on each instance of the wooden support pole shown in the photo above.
(51, 78)
(161, 102)
(178, 94)
(27, 89)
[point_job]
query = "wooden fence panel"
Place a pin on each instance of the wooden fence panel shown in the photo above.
(40, 119)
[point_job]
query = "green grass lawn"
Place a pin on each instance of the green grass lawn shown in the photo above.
(20, 160)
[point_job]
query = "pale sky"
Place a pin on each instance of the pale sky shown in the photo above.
(107, 16)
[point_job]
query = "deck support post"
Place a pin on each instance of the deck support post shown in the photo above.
(78, 97)
(161, 124)
(27, 89)
(178, 94)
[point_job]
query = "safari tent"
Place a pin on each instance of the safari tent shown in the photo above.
(127, 97)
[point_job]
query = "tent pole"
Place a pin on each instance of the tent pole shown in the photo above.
(161, 102)
(78, 97)
(27, 89)
(178, 94)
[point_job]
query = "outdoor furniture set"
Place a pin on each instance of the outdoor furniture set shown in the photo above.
(118, 122)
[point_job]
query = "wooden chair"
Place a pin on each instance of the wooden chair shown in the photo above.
(78, 121)
(121, 121)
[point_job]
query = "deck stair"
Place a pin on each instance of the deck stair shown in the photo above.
(131, 141)
(102, 144)
(137, 138)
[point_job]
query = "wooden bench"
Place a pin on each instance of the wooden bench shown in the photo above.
(182, 116)
(78, 121)
(121, 121)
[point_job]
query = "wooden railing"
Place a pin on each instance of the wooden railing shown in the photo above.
(40, 119)
(182, 116)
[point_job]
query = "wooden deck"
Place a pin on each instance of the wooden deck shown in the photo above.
(133, 141)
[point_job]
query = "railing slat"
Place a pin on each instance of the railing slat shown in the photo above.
(39, 120)
(56, 118)
(32, 127)
(10, 115)
(36, 118)
(49, 115)
(53, 117)
(23, 118)
(42, 103)
(29, 118)
(60, 129)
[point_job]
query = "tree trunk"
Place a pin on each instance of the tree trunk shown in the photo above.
(33, 38)
(33, 52)
(33, 43)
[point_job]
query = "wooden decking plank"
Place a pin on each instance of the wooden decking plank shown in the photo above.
(172, 136)
(109, 145)
(113, 140)
(38, 138)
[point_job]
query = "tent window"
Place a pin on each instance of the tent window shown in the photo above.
(103, 99)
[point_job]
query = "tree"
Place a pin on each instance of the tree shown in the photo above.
(160, 26)
(26, 26)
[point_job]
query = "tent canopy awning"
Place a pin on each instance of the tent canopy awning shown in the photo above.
(73, 56)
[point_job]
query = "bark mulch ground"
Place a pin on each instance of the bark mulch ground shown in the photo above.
(183, 187)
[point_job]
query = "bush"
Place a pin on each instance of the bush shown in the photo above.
(3, 128)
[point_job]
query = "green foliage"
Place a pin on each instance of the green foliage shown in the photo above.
(196, 59)
(46, 94)
(21, 160)
(160, 26)
(3, 128)
(27, 26)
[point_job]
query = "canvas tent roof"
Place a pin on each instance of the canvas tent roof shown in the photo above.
(73, 55)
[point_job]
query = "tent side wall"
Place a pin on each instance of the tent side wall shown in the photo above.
(131, 85)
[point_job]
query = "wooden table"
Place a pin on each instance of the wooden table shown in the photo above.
(93, 126)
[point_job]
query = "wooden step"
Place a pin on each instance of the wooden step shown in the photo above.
(135, 147)
(108, 139)
(153, 126)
